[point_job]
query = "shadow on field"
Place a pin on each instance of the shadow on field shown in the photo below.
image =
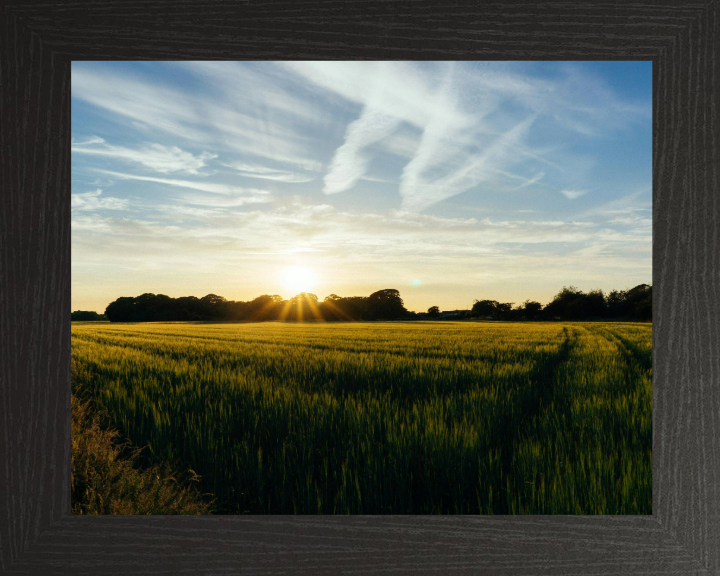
(527, 407)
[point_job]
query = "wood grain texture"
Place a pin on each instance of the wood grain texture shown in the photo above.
(37, 43)
(686, 258)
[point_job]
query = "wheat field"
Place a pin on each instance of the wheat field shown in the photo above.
(386, 418)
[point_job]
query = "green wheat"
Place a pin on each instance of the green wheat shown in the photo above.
(388, 418)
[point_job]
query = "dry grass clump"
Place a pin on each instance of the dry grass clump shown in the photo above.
(107, 480)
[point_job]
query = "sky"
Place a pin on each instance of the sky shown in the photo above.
(448, 181)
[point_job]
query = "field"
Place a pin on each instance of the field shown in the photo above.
(386, 418)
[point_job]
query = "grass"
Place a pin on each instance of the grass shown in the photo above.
(387, 418)
(106, 477)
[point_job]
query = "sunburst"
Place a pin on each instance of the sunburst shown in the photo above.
(299, 279)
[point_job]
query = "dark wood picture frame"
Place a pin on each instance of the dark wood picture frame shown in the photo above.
(39, 40)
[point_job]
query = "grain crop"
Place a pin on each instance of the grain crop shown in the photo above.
(387, 417)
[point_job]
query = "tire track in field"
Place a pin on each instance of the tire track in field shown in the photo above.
(536, 397)
(643, 359)
(630, 352)
(637, 442)
(531, 402)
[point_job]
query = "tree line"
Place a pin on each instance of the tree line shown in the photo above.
(569, 304)
(381, 305)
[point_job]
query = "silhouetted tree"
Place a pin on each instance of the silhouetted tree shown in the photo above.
(573, 304)
(188, 308)
(386, 305)
(265, 307)
(530, 309)
(86, 316)
(334, 308)
(214, 306)
(483, 308)
(633, 304)
(303, 307)
(640, 299)
(121, 310)
(433, 311)
(503, 311)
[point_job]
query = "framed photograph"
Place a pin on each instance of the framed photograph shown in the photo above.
(362, 287)
(358, 291)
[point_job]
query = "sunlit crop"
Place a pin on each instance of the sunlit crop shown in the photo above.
(387, 418)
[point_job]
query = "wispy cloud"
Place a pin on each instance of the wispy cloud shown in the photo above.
(131, 97)
(429, 245)
(398, 89)
(461, 125)
(349, 164)
(531, 181)
(243, 123)
(420, 191)
(391, 93)
(201, 186)
(573, 194)
(262, 172)
(157, 157)
(464, 140)
(88, 201)
(627, 204)
(249, 196)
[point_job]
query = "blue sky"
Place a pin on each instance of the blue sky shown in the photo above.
(449, 181)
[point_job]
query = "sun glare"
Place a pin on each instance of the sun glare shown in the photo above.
(299, 279)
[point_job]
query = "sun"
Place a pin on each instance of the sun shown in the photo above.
(299, 279)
